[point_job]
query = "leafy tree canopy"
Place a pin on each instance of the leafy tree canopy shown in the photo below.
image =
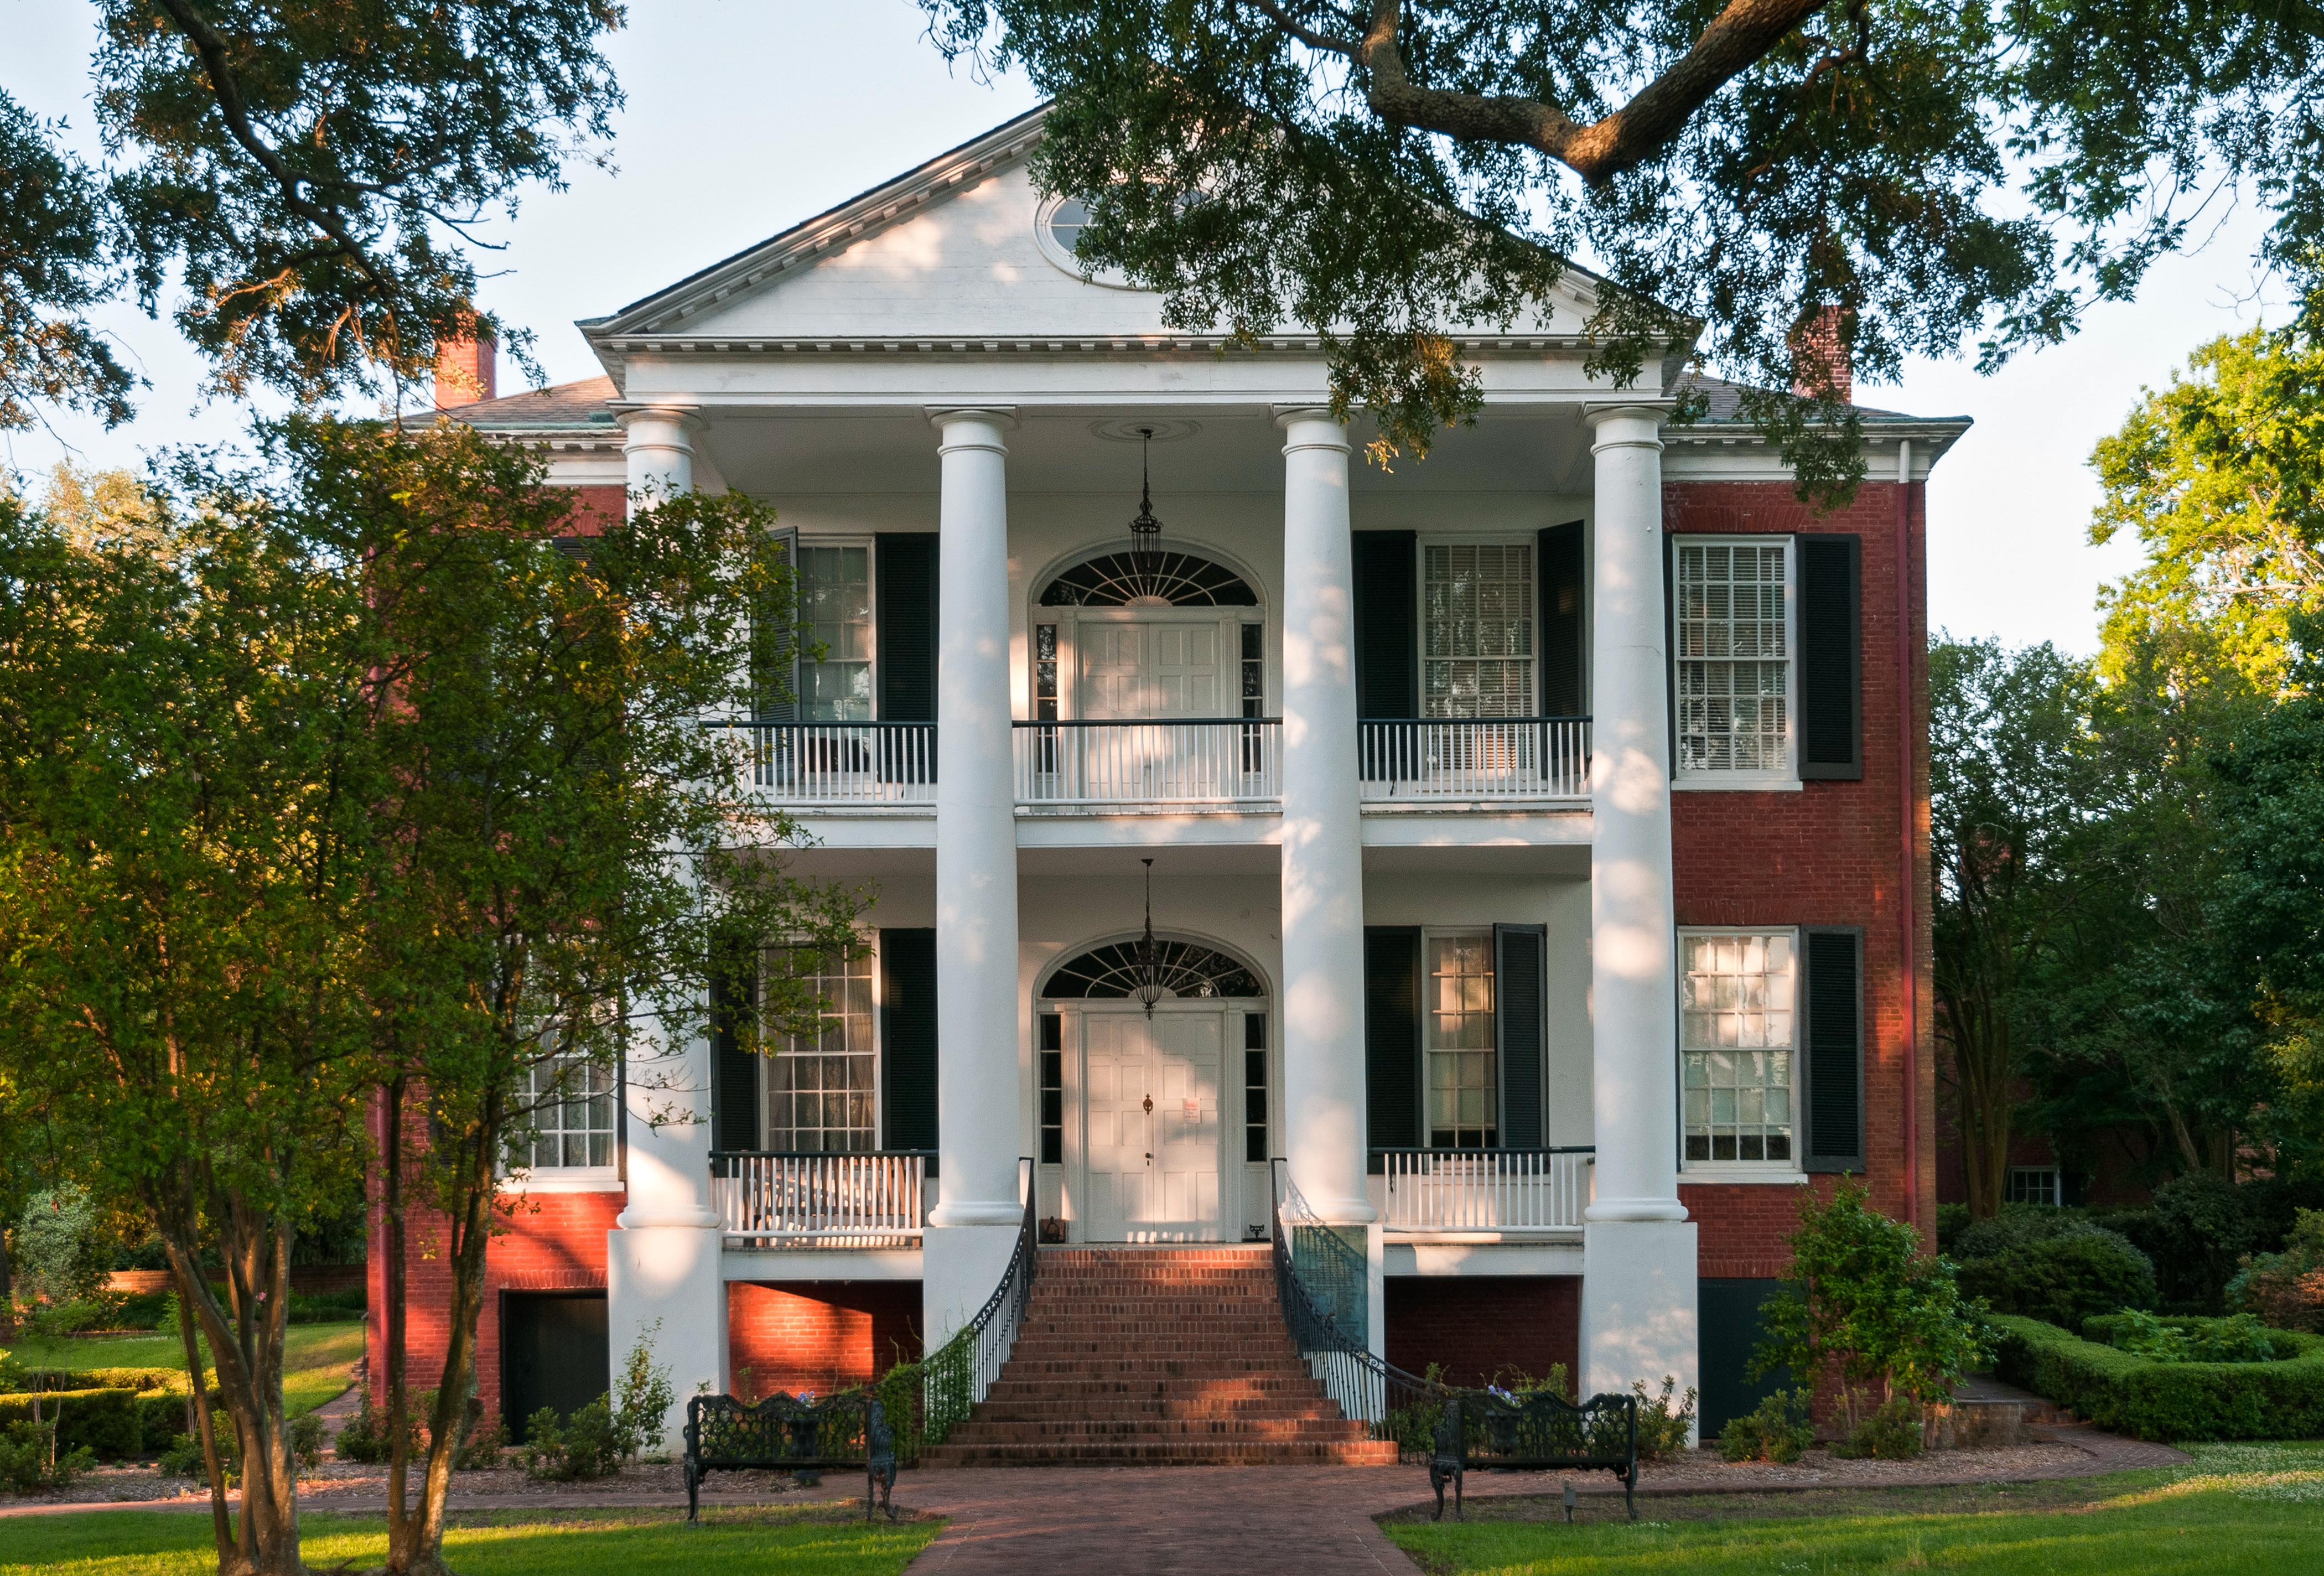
(1383, 172)
(54, 242)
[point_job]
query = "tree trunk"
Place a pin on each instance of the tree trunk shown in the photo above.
(197, 1411)
(393, 1207)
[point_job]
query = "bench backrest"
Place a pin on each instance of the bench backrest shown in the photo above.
(1539, 1429)
(784, 1431)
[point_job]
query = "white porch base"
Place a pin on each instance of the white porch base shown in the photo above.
(670, 1274)
(959, 1267)
(1638, 1305)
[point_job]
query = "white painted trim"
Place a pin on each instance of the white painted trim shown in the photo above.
(1723, 1172)
(1708, 784)
(576, 1179)
(1067, 262)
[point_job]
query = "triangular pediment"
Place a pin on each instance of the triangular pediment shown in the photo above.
(953, 250)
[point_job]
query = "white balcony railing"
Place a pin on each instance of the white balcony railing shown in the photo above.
(1213, 761)
(1475, 758)
(843, 763)
(1486, 1190)
(876, 1200)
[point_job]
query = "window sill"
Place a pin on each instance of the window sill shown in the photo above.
(1774, 1173)
(592, 1179)
(1738, 785)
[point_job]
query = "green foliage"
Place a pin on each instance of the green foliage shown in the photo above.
(588, 1445)
(306, 1441)
(900, 1392)
(2237, 1339)
(365, 1435)
(1777, 1430)
(2286, 1289)
(1952, 1220)
(1895, 1431)
(481, 1450)
(33, 1458)
(2051, 1266)
(182, 1458)
(54, 248)
(1665, 1419)
(60, 1248)
(17, 1376)
(643, 1397)
(2129, 1394)
(105, 1423)
(1862, 1298)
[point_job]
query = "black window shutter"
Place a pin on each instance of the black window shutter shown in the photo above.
(1392, 1069)
(1833, 1033)
(774, 636)
(1387, 624)
(907, 1039)
(734, 1063)
(906, 568)
(1832, 656)
(1520, 964)
(1565, 621)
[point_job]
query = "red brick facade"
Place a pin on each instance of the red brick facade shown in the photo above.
(818, 1335)
(1477, 1326)
(1831, 853)
(554, 1242)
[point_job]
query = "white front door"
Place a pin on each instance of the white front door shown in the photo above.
(1151, 1109)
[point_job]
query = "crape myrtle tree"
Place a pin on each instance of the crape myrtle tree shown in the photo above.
(566, 846)
(185, 782)
(1896, 175)
(300, 183)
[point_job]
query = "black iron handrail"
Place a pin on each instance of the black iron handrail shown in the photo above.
(956, 1376)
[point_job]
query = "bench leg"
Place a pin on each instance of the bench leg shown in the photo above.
(1460, 1483)
(1436, 1482)
(692, 1495)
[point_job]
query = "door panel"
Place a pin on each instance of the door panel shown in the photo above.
(554, 1353)
(1117, 1125)
(1115, 658)
(1186, 671)
(1186, 1126)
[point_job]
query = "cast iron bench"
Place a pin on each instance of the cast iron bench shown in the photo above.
(783, 1433)
(1534, 1431)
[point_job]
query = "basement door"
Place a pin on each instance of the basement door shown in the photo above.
(1150, 1096)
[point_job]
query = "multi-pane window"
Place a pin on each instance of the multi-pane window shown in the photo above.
(1737, 1038)
(1733, 658)
(1254, 1086)
(571, 1101)
(1477, 636)
(2035, 1185)
(1053, 1088)
(1463, 1085)
(836, 619)
(819, 1087)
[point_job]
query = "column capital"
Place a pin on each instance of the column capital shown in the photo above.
(1289, 417)
(1632, 415)
(688, 418)
(1003, 417)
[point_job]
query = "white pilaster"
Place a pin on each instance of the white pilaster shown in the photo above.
(1638, 1275)
(978, 1084)
(1323, 854)
(660, 454)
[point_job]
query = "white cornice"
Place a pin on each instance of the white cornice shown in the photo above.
(680, 345)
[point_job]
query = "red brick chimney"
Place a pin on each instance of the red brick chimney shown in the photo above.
(464, 371)
(1818, 344)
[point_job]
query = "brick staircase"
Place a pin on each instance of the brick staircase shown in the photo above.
(1152, 1356)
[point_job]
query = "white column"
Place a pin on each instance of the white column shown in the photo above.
(1638, 1267)
(662, 1282)
(1323, 852)
(974, 1226)
(659, 455)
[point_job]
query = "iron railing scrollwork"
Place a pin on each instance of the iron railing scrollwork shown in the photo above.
(956, 1376)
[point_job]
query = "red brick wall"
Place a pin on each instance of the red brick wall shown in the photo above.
(553, 1242)
(820, 1336)
(1828, 854)
(599, 507)
(1478, 1325)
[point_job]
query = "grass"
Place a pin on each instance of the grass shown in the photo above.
(2238, 1510)
(807, 1541)
(318, 1363)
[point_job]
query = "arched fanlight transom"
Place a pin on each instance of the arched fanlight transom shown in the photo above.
(1148, 578)
(1188, 970)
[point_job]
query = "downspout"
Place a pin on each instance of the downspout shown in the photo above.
(1909, 890)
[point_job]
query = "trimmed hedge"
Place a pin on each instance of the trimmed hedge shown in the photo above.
(2146, 1399)
(140, 1379)
(106, 1421)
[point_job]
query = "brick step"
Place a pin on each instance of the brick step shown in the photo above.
(1173, 1453)
(1066, 1438)
(1017, 1386)
(1160, 1411)
(1155, 1344)
(1049, 1367)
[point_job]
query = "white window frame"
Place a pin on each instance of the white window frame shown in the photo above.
(545, 1179)
(1754, 1171)
(1526, 539)
(800, 543)
(868, 950)
(1429, 935)
(2054, 1176)
(1787, 780)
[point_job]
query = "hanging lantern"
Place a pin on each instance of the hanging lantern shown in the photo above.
(1145, 530)
(1147, 966)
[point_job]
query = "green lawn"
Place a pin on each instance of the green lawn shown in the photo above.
(809, 1541)
(319, 1359)
(2240, 1510)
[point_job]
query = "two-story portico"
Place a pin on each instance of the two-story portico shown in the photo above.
(1532, 832)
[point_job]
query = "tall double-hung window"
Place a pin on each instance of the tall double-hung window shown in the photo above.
(821, 1087)
(1734, 681)
(572, 1128)
(1463, 1080)
(1738, 1028)
(835, 620)
(1477, 601)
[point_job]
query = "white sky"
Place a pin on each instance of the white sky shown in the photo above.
(743, 119)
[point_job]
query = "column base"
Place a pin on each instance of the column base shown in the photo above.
(668, 1274)
(1638, 1306)
(960, 1265)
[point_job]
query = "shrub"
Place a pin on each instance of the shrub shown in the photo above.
(103, 1422)
(2240, 1339)
(481, 1450)
(15, 1378)
(2137, 1395)
(1663, 1428)
(1779, 1430)
(365, 1436)
(161, 1415)
(2286, 1289)
(584, 1445)
(183, 1458)
(1862, 1297)
(99, 1310)
(1895, 1431)
(61, 1254)
(1952, 1220)
(32, 1459)
(306, 1441)
(2062, 1274)
(2197, 1229)
(641, 1396)
(148, 1310)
